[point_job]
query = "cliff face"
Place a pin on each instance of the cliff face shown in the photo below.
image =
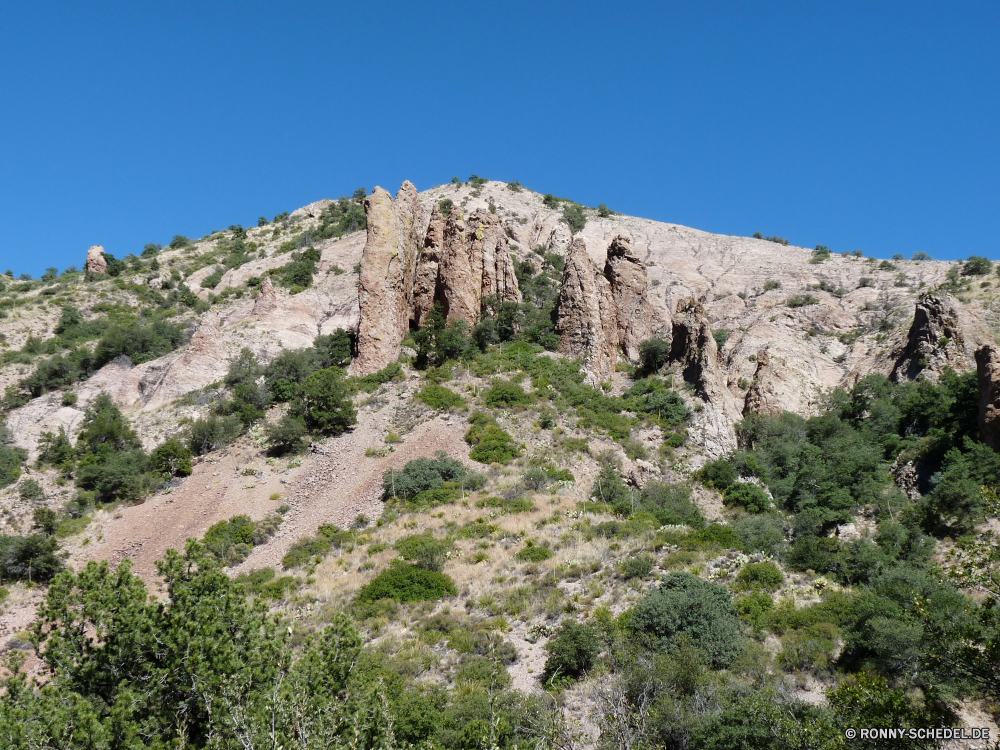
(598, 313)
(475, 266)
(425, 282)
(761, 397)
(388, 266)
(587, 315)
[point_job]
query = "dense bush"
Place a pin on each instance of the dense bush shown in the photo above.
(298, 274)
(11, 460)
(29, 558)
(325, 402)
(534, 553)
(764, 576)
(491, 443)
(636, 566)
(141, 341)
(670, 504)
(572, 651)
(422, 474)
(653, 354)
(407, 583)
(423, 550)
(747, 495)
(977, 265)
(213, 432)
(286, 436)
(505, 394)
(685, 604)
(438, 397)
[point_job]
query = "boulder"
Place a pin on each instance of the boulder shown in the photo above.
(96, 262)
(627, 276)
(988, 371)
(388, 264)
(586, 316)
(761, 397)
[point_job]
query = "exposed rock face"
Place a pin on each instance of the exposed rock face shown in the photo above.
(761, 398)
(425, 282)
(474, 266)
(587, 315)
(693, 346)
(627, 276)
(936, 340)
(96, 262)
(988, 370)
(388, 263)
(267, 298)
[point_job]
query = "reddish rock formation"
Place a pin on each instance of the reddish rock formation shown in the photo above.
(96, 262)
(627, 276)
(425, 282)
(267, 299)
(988, 371)
(586, 314)
(936, 340)
(693, 347)
(388, 264)
(475, 265)
(761, 398)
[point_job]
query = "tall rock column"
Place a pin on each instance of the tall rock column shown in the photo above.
(474, 265)
(586, 316)
(388, 265)
(988, 371)
(761, 398)
(627, 276)
(693, 346)
(425, 281)
(96, 262)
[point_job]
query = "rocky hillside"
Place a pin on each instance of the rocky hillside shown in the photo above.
(556, 409)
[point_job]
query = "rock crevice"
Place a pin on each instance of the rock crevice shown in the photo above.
(988, 375)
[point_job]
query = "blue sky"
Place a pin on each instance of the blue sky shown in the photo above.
(868, 126)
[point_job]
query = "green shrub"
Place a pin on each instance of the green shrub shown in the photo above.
(801, 300)
(575, 217)
(762, 576)
(721, 336)
(671, 504)
(325, 403)
(172, 458)
(977, 265)
(439, 397)
(30, 490)
(636, 566)
(370, 383)
(653, 354)
(811, 647)
(286, 436)
(534, 553)
(747, 495)
(505, 394)
(422, 474)
(685, 604)
(761, 533)
(11, 460)
(423, 550)
(140, 341)
(230, 541)
(571, 651)
(29, 558)
(491, 443)
(753, 608)
(407, 583)
(305, 550)
(212, 280)
(213, 432)
(513, 505)
(720, 474)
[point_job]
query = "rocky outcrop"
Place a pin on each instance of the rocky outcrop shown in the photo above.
(988, 371)
(425, 282)
(761, 397)
(586, 315)
(627, 276)
(936, 340)
(388, 264)
(96, 262)
(267, 298)
(693, 347)
(475, 266)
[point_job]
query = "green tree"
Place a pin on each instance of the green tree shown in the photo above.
(325, 402)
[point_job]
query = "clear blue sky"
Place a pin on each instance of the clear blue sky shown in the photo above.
(857, 125)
